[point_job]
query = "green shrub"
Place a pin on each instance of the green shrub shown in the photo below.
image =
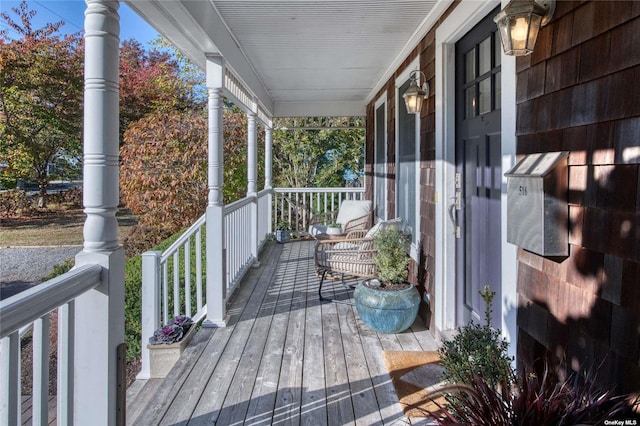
(477, 350)
(391, 256)
(60, 269)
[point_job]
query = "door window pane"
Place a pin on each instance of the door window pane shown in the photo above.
(470, 102)
(498, 90)
(470, 66)
(497, 49)
(380, 164)
(485, 95)
(484, 56)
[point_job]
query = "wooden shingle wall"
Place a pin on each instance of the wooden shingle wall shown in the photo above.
(580, 91)
(422, 272)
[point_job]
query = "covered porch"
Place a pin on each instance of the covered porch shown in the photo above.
(342, 58)
(283, 358)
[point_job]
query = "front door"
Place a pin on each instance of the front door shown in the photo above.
(478, 166)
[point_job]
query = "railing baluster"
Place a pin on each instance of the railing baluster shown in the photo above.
(304, 212)
(187, 277)
(10, 379)
(176, 283)
(297, 211)
(64, 406)
(165, 293)
(40, 369)
(199, 270)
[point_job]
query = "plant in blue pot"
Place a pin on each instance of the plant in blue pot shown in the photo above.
(283, 232)
(388, 304)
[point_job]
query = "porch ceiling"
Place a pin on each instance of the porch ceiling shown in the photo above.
(299, 57)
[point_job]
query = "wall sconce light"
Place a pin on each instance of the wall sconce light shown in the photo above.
(519, 23)
(415, 95)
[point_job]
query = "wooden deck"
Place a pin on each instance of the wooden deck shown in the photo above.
(285, 358)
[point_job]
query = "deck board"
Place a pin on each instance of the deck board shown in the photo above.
(284, 358)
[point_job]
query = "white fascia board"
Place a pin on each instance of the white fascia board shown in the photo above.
(422, 30)
(196, 29)
(319, 109)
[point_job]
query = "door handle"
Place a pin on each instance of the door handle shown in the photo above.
(456, 205)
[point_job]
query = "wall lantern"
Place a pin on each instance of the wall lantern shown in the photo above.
(519, 23)
(415, 95)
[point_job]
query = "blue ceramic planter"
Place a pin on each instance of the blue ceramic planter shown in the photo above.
(283, 236)
(387, 311)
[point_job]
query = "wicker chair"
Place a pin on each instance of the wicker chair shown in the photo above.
(346, 217)
(352, 256)
(348, 257)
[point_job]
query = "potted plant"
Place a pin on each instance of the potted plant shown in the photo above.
(388, 304)
(283, 232)
(334, 229)
(167, 344)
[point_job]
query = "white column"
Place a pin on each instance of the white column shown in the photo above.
(252, 179)
(268, 157)
(99, 313)
(268, 181)
(216, 286)
(252, 154)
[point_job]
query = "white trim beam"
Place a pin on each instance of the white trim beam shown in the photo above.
(320, 109)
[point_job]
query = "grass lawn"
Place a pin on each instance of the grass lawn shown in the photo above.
(54, 228)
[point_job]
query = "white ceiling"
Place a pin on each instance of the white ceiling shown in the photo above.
(299, 57)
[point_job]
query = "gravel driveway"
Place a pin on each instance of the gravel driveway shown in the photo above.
(23, 267)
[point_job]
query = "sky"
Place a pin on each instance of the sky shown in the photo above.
(72, 13)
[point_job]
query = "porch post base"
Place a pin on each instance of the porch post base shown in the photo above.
(215, 324)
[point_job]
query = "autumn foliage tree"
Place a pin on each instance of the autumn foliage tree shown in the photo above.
(150, 81)
(163, 177)
(41, 84)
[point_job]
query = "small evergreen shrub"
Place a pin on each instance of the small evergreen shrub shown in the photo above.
(60, 268)
(391, 256)
(477, 350)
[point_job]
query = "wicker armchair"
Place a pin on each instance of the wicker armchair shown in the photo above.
(351, 256)
(353, 215)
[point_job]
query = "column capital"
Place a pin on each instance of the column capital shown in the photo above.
(215, 70)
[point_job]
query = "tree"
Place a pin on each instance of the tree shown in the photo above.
(41, 84)
(163, 175)
(151, 81)
(317, 158)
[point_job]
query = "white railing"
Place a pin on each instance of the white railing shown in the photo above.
(34, 306)
(173, 279)
(170, 280)
(264, 216)
(297, 206)
(238, 223)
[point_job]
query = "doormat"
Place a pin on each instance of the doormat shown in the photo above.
(414, 375)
